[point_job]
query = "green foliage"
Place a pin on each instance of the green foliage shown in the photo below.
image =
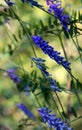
(73, 112)
(18, 48)
(79, 85)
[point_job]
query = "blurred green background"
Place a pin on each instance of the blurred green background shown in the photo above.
(9, 30)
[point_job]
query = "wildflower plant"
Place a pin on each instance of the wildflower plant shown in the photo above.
(36, 85)
(50, 51)
(52, 119)
(59, 13)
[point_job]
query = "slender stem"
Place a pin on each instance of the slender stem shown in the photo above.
(21, 64)
(60, 102)
(69, 95)
(72, 77)
(28, 36)
(63, 47)
(77, 95)
(75, 119)
(56, 106)
(37, 100)
(45, 11)
(77, 48)
(3, 70)
(24, 28)
(66, 57)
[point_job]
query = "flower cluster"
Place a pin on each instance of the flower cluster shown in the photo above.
(21, 85)
(40, 64)
(10, 3)
(32, 3)
(13, 76)
(49, 1)
(54, 85)
(52, 120)
(59, 13)
(26, 110)
(47, 49)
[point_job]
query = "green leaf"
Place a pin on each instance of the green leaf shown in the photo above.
(71, 30)
(74, 14)
(80, 49)
(73, 111)
(20, 34)
(35, 86)
(10, 50)
(42, 24)
(79, 85)
(50, 32)
(66, 33)
(15, 38)
(65, 115)
(72, 84)
(50, 23)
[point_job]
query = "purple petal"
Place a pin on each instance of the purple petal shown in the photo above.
(26, 110)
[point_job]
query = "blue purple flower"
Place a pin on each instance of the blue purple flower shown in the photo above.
(52, 120)
(49, 50)
(13, 76)
(54, 85)
(9, 2)
(59, 13)
(32, 3)
(40, 64)
(49, 1)
(23, 108)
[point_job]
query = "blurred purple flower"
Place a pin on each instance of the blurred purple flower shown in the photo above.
(54, 85)
(13, 76)
(52, 120)
(27, 112)
(10, 3)
(39, 60)
(59, 13)
(32, 3)
(49, 1)
(40, 64)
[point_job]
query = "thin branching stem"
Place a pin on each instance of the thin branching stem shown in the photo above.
(56, 106)
(72, 76)
(76, 45)
(24, 29)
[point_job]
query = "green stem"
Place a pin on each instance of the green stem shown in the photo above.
(76, 119)
(24, 28)
(63, 47)
(61, 42)
(56, 106)
(72, 76)
(60, 102)
(3, 70)
(77, 48)
(21, 64)
(37, 100)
